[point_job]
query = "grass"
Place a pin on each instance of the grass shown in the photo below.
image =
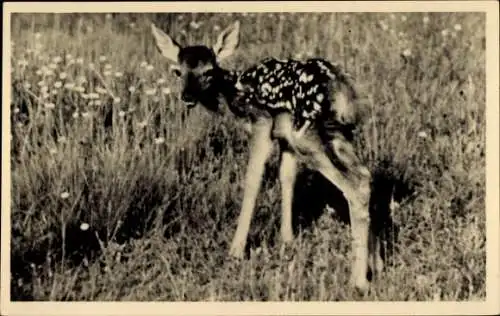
(119, 194)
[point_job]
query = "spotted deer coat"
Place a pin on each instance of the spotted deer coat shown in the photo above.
(305, 89)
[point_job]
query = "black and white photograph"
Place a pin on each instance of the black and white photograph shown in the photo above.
(173, 152)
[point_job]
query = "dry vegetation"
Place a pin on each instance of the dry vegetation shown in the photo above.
(119, 194)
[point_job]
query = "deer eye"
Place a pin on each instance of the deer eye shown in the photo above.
(176, 70)
(205, 80)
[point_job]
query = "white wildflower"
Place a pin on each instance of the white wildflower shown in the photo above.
(422, 134)
(79, 89)
(69, 85)
(101, 90)
(195, 25)
(159, 140)
(64, 195)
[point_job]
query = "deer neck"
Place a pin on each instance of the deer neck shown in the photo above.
(228, 86)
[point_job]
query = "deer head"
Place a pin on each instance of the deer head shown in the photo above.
(203, 80)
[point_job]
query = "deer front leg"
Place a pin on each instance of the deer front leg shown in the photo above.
(288, 171)
(357, 195)
(260, 149)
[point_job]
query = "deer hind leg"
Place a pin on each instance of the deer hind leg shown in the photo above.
(283, 129)
(360, 175)
(357, 194)
(260, 149)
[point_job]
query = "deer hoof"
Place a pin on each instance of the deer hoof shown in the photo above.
(361, 284)
(237, 251)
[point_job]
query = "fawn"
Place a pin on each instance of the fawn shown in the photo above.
(307, 107)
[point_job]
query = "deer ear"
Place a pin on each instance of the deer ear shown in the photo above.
(227, 41)
(167, 46)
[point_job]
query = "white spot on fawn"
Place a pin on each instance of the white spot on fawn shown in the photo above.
(266, 87)
(238, 86)
(306, 78)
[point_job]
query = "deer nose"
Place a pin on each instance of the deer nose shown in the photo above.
(188, 98)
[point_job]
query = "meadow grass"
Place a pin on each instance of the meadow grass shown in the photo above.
(119, 194)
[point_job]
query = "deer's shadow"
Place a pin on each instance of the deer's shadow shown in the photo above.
(313, 192)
